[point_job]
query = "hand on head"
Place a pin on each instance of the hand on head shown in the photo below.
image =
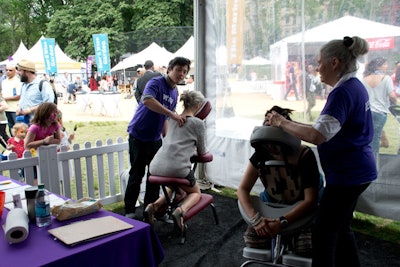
(273, 119)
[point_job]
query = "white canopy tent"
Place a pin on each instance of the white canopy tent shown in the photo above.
(336, 29)
(159, 55)
(257, 61)
(64, 62)
(186, 50)
(21, 51)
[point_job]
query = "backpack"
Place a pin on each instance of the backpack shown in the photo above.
(54, 92)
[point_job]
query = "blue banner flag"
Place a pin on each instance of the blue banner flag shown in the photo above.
(102, 53)
(49, 55)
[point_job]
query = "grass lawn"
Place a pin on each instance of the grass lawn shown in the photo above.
(385, 229)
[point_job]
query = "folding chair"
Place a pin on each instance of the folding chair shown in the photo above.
(281, 253)
(174, 183)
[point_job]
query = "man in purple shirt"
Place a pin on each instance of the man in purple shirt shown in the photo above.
(147, 126)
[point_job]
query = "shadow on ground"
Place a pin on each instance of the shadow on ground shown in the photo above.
(208, 244)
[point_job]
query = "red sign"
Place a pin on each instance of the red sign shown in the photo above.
(380, 43)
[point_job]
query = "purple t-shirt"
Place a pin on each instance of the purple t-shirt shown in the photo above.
(347, 158)
(42, 132)
(147, 125)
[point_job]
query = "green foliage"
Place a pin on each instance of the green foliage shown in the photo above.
(72, 23)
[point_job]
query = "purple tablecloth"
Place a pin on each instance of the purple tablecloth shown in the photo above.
(138, 246)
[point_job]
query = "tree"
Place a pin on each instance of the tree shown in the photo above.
(72, 26)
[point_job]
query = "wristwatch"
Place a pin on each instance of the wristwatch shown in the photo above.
(284, 222)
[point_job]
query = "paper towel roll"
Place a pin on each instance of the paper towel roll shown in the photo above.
(16, 228)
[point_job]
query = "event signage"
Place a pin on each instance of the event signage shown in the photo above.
(380, 43)
(49, 55)
(89, 66)
(102, 53)
(234, 31)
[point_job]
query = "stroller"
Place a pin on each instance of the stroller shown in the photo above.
(284, 249)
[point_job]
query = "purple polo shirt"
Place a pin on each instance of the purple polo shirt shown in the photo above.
(347, 158)
(147, 125)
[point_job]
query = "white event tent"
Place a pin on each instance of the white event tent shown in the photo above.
(159, 55)
(336, 29)
(64, 62)
(256, 61)
(186, 50)
(21, 51)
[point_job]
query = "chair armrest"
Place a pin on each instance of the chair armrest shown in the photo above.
(207, 157)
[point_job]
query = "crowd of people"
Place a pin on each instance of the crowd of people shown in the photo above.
(28, 108)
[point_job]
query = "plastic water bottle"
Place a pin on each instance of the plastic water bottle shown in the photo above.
(42, 207)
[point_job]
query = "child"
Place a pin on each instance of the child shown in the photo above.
(16, 143)
(44, 128)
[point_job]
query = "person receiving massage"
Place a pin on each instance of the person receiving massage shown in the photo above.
(173, 158)
(302, 186)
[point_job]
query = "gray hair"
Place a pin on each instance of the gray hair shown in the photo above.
(191, 99)
(346, 50)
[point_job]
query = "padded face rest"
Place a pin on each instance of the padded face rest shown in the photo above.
(204, 110)
(270, 134)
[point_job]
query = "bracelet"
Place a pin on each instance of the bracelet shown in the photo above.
(43, 142)
(255, 220)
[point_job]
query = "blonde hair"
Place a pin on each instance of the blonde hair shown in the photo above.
(18, 126)
(191, 99)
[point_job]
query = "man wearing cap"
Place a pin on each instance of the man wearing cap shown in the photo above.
(142, 81)
(11, 88)
(31, 96)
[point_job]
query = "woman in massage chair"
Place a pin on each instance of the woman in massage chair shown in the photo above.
(173, 158)
(300, 184)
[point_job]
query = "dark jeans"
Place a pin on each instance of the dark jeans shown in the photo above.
(11, 119)
(379, 121)
(140, 155)
(333, 239)
(3, 134)
(290, 88)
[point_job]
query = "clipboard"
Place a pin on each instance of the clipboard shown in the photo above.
(88, 230)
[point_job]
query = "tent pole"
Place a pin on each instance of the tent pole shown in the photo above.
(303, 61)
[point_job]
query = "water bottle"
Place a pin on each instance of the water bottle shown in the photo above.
(42, 207)
(14, 91)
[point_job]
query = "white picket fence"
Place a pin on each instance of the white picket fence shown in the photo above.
(88, 172)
